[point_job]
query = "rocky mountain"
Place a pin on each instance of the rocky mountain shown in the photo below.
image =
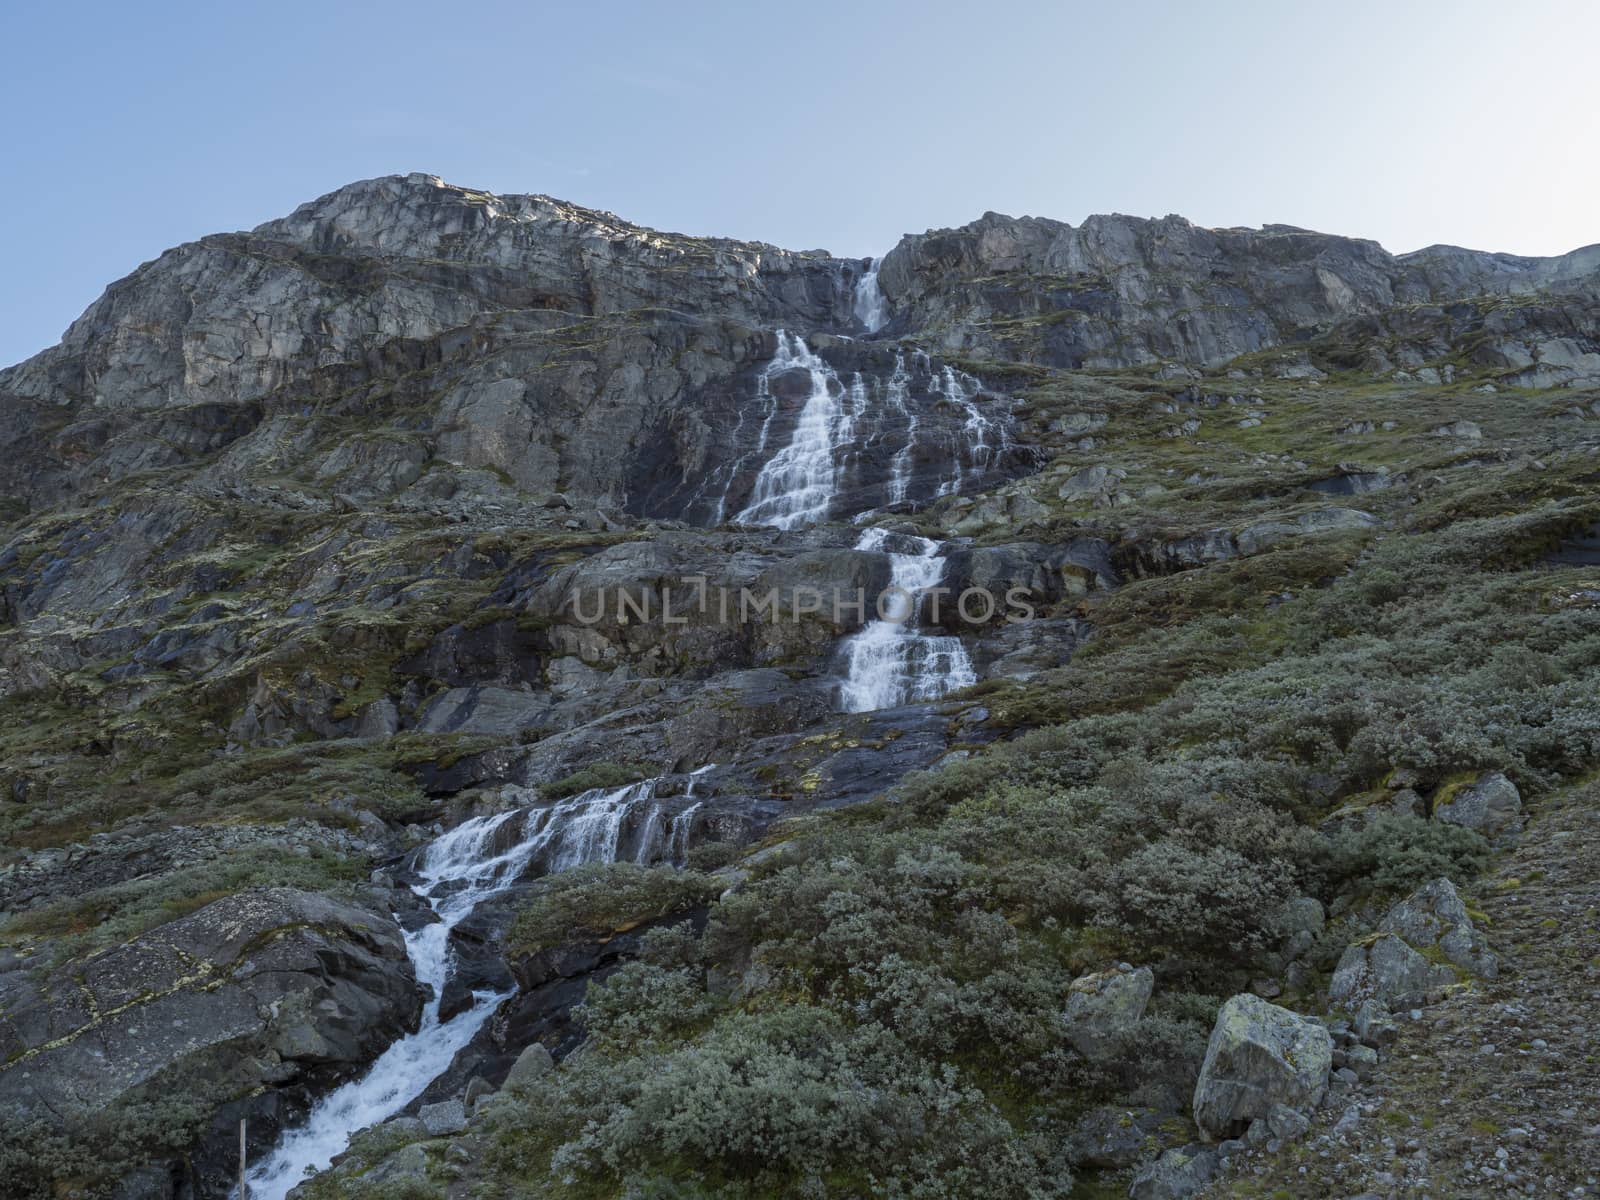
(1122, 291)
(448, 702)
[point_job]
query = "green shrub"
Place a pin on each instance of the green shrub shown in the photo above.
(1398, 853)
(595, 775)
(792, 1102)
(91, 1151)
(599, 899)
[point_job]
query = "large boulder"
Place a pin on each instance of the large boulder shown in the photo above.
(1176, 1175)
(1490, 804)
(1105, 1006)
(444, 1118)
(1435, 915)
(1259, 1055)
(532, 1065)
(1400, 964)
(1385, 971)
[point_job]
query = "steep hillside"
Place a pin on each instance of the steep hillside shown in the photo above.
(444, 703)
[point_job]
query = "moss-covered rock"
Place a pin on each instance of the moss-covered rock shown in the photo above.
(1259, 1056)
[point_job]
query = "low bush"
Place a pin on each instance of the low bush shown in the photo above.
(595, 775)
(796, 1102)
(597, 900)
(1398, 853)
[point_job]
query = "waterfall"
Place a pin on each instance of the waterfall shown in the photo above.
(846, 430)
(683, 823)
(682, 826)
(458, 871)
(898, 395)
(796, 485)
(869, 305)
(590, 827)
(891, 661)
(976, 430)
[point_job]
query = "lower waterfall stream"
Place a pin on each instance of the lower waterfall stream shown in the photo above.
(459, 870)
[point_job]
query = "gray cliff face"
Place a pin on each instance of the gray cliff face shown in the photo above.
(560, 347)
(572, 351)
(1119, 291)
(360, 291)
(235, 317)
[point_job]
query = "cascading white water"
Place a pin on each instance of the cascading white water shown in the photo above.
(891, 661)
(976, 430)
(870, 309)
(839, 428)
(683, 823)
(589, 826)
(460, 870)
(796, 485)
(897, 393)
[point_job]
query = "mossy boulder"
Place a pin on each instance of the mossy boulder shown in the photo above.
(1259, 1055)
(1104, 1007)
(1489, 804)
(1435, 915)
(1387, 971)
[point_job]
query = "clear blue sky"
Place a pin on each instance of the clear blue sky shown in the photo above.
(130, 127)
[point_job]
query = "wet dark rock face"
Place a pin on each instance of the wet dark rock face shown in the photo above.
(913, 428)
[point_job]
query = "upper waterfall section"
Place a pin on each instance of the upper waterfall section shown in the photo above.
(828, 429)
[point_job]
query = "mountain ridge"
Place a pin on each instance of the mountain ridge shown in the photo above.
(317, 224)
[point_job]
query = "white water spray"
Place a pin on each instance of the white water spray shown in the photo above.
(898, 396)
(891, 661)
(840, 427)
(870, 309)
(797, 484)
(977, 431)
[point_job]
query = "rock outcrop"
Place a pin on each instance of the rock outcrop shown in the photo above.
(1386, 971)
(1418, 948)
(1103, 1008)
(269, 987)
(1435, 915)
(1119, 290)
(1259, 1056)
(1489, 804)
